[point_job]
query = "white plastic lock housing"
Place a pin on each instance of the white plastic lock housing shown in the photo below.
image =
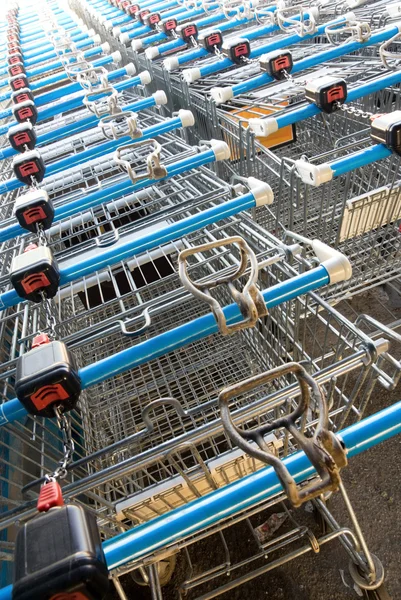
(263, 127)
(314, 174)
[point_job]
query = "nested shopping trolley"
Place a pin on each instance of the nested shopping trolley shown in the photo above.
(151, 438)
(191, 331)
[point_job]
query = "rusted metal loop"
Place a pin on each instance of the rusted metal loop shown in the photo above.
(249, 300)
(160, 402)
(323, 449)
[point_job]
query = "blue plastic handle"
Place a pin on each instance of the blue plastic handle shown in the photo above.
(78, 126)
(96, 151)
(290, 117)
(180, 336)
(317, 59)
(246, 493)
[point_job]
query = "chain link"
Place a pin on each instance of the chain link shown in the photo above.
(42, 239)
(64, 424)
(49, 316)
(356, 112)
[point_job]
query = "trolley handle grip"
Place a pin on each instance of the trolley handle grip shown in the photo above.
(324, 450)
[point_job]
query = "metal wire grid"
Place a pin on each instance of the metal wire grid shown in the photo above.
(307, 330)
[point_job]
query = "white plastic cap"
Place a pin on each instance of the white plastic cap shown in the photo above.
(394, 10)
(350, 16)
(220, 149)
(221, 94)
(171, 63)
(105, 47)
(124, 38)
(136, 45)
(314, 12)
(84, 28)
(116, 31)
(152, 52)
(314, 174)
(336, 264)
(191, 75)
(97, 39)
(354, 3)
(263, 127)
(160, 97)
(116, 56)
(262, 191)
(108, 25)
(130, 69)
(187, 118)
(91, 32)
(145, 77)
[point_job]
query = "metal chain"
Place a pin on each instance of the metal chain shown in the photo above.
(353, 110)
(42, 239)
(49, 316)
(64, 424)
(295, 82)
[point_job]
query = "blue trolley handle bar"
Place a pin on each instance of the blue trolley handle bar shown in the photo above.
(269, 125)
(118, 252)
(223, 94)
(83, 124)
(115, 191)
(316, 175)
(246, 493)
(99, 150)
(55, 108)
(195, 73)
(182, 335)
(60, 77)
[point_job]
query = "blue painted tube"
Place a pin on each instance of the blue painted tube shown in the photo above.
(310, 110)
(282, 42)
(36, 61)
(316, 59)
(58, 77)
(359, 159)
(115, 191)
(47, 52)
(179, 10)
(196, 53)
(173, 45)
(183, 335)
(190, 14)
(77, 127)
(56, 64)
(195, 330)
(78, 37)
(98, 150)
(76, 101)
(174, 231)
(246, 493)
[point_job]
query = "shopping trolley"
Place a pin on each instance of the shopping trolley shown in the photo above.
(190, 447)
(189, 306)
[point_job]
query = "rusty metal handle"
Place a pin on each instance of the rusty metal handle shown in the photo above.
(324, 450)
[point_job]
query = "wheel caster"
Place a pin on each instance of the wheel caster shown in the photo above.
(360, 578)
(380, 593)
